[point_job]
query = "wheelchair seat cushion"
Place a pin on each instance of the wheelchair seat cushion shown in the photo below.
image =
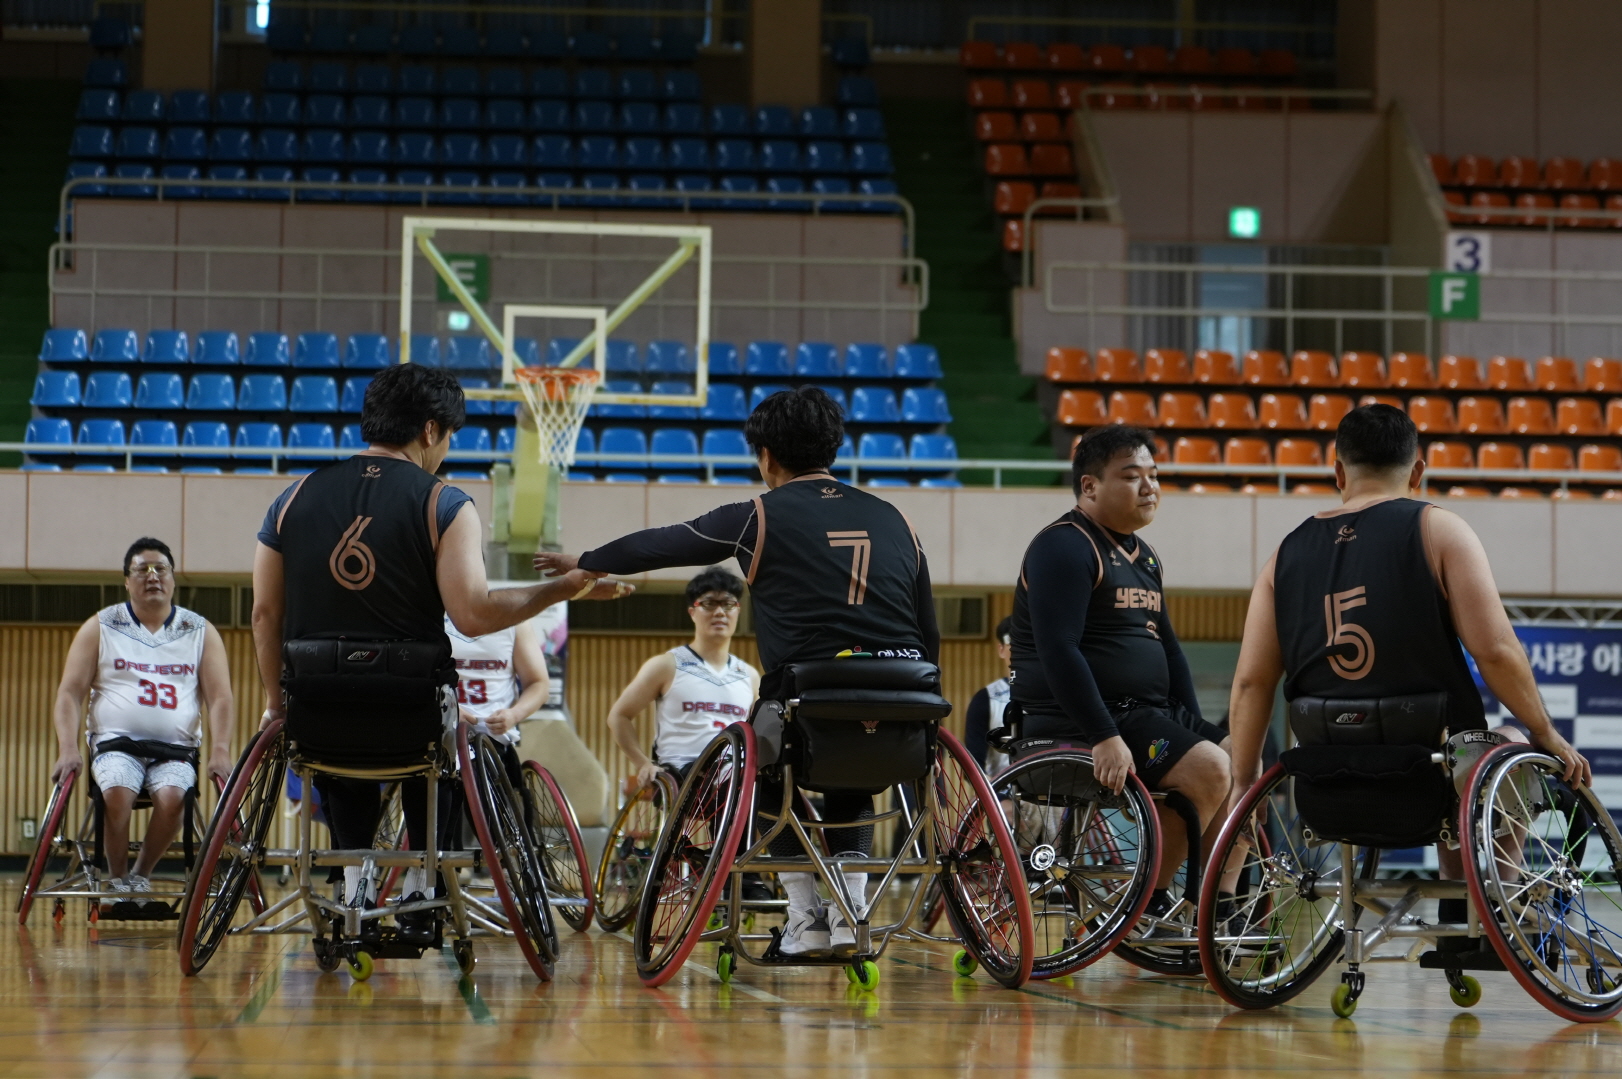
(862, 724)
(364, 736)
(867, 689)
(1372, 796)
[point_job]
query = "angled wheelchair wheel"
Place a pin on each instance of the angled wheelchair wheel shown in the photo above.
(232, 847)
(694, 854)
(1088, 857)
(511, 849)
(563, 855)
(50, 831)
(982, 888)
(628, 851)
(1286, 923)
(1541, 859)
(1169, 943)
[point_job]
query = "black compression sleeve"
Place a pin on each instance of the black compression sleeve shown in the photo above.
(976, 725)
(1182, 679)
(923, 604)
(718, 535)
(1061, 569)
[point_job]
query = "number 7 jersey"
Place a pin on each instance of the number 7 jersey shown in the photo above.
(146, 683)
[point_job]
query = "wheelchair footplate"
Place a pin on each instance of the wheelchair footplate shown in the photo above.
(130, 910)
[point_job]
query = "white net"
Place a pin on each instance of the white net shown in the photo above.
(557, 397)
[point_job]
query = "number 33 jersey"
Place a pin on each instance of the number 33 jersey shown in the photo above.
(146, 683)
(484, 666)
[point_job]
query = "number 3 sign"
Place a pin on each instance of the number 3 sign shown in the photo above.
(1468, 252)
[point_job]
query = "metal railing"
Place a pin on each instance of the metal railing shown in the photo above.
(1545, 217)
(1283, 95)
(1027, 244)
(1186, 32)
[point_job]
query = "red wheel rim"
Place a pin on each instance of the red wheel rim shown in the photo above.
(572, 827)
(55, 809)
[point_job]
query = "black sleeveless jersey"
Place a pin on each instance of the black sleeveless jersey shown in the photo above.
(358, 541)
(1120, 638)
(1360, 614)
(834, 568)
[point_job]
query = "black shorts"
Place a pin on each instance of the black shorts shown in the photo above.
(1158, 736)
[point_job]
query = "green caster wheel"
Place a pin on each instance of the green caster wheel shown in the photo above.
(726, 964)
(864, 975)
(1341, 1001)
(361, 966)
(964, 965)
(1466, 992)
(716, 921)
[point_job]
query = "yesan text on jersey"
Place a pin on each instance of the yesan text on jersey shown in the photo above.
(154, 668)
(1137, 598)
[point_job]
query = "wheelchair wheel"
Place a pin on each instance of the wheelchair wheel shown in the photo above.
(232, 846)
(982, 887)
(1089, 857)
(1541, 859)
(50, 826)
(1170, 944)
(563, 855)
(628, 850)
(1286, 924)
(694, 854)
(510, 849)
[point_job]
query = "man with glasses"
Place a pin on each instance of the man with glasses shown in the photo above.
(144, 664)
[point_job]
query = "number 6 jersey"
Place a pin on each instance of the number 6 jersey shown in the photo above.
(484, 666)
(146, 683)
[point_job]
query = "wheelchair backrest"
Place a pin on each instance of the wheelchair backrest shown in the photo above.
(1416, 720)
(870, 690)
(862, 723)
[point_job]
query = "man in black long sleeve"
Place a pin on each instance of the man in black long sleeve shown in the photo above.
(831, 569)
(1095, 659)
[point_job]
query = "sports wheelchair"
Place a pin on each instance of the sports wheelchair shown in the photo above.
(82, 852)
(1541, 861)
(509, 847)
(862, 724)
(631, 838)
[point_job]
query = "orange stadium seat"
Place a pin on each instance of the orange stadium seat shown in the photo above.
(1326, 410)
(1449, 455)
(1162, 451)
(1023, 56)
(1069, 365)
(1132, 407)
(1432, 415)
(1313, 368)
(988, 94)
(1205, 98)
(1363, 370)
(1605, 174)
(1472, 170)
(1441, 168)
(1064, 56)
(1236, 62)
(1543, 457)
(1530, 416)
(1166, 365)
(1499, 455)
(1533, 201)
(1117, 365)
(1192, 60)
(1150, 59)
(1380, 399)
(1214, 368)
(1247, 451)
(1490, 200)
(1117, 95)
(1231, 411)
(996, 127)
(1613, 203)
(1264, 367)
(1601, 375)
(1185, 410)
(1612, 495)
(1564, 174)
(1452, 199)
(1556, 374)
(1284, 412)
(1013, 234)
(1329, 452)
(1581, 202)
(1597, 458)
(1106, 58)
(1313, 490)
(1159, 97)
(1007, 159)
(1279, 63)
(1082, 408)
(1568, 493)
(1298, 451)
(1058, 189)
(1481, 416)
(1032, 94)
(1578, 416)
(1013, 196)
(1197, 451)
(1520, 492)
(1253, 99)
(977, 55)
(1042, 127)
(1052, 159)
(1410, 371)
(1508, 373)
(1208, 487)
(1470, 491)
(1070, 94)
(1613, 416)
(1459, 373)
(1514, 172)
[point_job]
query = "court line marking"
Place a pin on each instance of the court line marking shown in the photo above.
(1084, 1005)
(746, 990)
(272, 981)
(470, 992)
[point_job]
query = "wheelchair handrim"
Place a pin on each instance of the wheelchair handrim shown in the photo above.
(579, 918)
(51, 823)
(660, 795)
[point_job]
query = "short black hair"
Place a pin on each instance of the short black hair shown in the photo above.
(1377, 436)
(802, 427)
(1005, 630)
(714, 579)
(1098, 447)
(147, 543)
(404, 397)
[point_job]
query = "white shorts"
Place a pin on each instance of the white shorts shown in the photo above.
(114, 769)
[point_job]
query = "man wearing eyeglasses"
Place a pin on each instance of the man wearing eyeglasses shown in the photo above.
(144, 664)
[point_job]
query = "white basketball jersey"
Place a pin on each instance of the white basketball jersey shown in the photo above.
(146, 683)
(999, 693)
(484, 666)
(701, 701)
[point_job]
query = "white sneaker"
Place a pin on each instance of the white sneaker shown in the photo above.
(841, 937)
(137, 883)
(118, 890)
(805, 933)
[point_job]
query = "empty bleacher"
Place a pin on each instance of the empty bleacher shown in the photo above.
(1472, 184)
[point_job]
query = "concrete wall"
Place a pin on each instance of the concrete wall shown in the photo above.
(1037, 329)
(1536, 250)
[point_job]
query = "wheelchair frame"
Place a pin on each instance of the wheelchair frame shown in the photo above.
(627, 869)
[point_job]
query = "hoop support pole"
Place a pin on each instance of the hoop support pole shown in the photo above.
(425, 244)
(676, 261)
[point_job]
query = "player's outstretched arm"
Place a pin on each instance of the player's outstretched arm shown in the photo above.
(1250, 706)
(269, 608)
(214, 680)
(78, 672)
(651, 683)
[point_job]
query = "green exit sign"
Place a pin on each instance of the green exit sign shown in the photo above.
(1244, 222)
(472, 271)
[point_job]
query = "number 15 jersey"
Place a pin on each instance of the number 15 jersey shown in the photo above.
(146, 683)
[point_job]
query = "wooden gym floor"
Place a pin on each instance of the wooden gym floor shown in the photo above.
(109, 1001)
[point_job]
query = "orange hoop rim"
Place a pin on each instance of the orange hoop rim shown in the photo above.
(569, 375)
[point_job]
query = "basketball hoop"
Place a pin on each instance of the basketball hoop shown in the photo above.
(558, 398)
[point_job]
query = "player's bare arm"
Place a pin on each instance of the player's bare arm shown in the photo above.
(1255, 680)
(214, 683)
(269, 609)
(78, 672)
(651, 683)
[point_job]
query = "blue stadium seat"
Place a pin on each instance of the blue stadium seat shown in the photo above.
(917, 361)
(320, 174)
(504, 114)
(691, 185)
(873, 404)
(460, 80)
(507, 440)
(867, 361)
(850, 52)
(311, 436)
(838, 396)
(284, 75)
(159, 391)
(552, 82)
(689, 155)
(497, 180)
(415, 112)
(64, 346)
(91, 141)
(201, 470)
(105, 73)
(638, 84)
(181, 191)
(628, 440)
(585, 444)
(325, 110)
(367, 351)
(591, 45)
(817, 359)
(673, 412)
(473, 440)
(819, 122)
(95, 468)
(639, 118)
(368, 176)
(880, 445)
(866, 124)
(674, 441)
(327, 37)
(475, 407)
(425, 350)
(99, 106)
(236, 108)
(462, 150)
(316, 350)
(726, 442)
(857, 90)
(144, 107)
(86, 170)
(684, 118)
(414, 178)
(526, 352)
(262, 393)
(370, 148)
(328, 77)
(825, 157)
(940, 481)
(217, 348)
(469, 352)
(371, 110)
(623, 357)
(634, 49)
(682, 86)
(211, 393)
(231, 144)
(461, 41)
(109, 33)
(208, 434)
(116, 346)
(259, 436)
(504, 82)
(787, 185)
(460, 114)
(137, 143)
(734, 155)
(354, 394)
(730, 120)
(466, 474)
(618, 411)
(763, 391)
(129, 171)
(774, 122)
(551, 115)
(767, 359)
(878, 187)
(48, 432)
(101, 433)
(595, 116)
(669, 358)
(226, 172)
(648, 182)
(374, 39)
(418, 39)
(167, 346)
(925, 405)
(281, 110)
(724, 361)
(780, 155)
(725, 403)
(154, 433)
(508, 152)
(933, 448)
(314, 393)
(871, 158)
(323, 146)
(190, 107)
(268, 349)
(276, 146)
(416, 148)
(599, 152)
(554, 152)
(350, 438)
(886, 481)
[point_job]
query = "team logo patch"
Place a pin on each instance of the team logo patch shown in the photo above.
(831, 492)
(1158, 749)
(1347, 534)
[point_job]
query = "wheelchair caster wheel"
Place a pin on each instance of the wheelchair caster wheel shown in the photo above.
(1343, 1002)
(1600, 982)
(1464, 990)
(361, 966)
(749, 922)
(59, 912)
(864, 975)
(726, 964)
(326, 956)
(964, 965)
(716, 921)
(463, 950)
